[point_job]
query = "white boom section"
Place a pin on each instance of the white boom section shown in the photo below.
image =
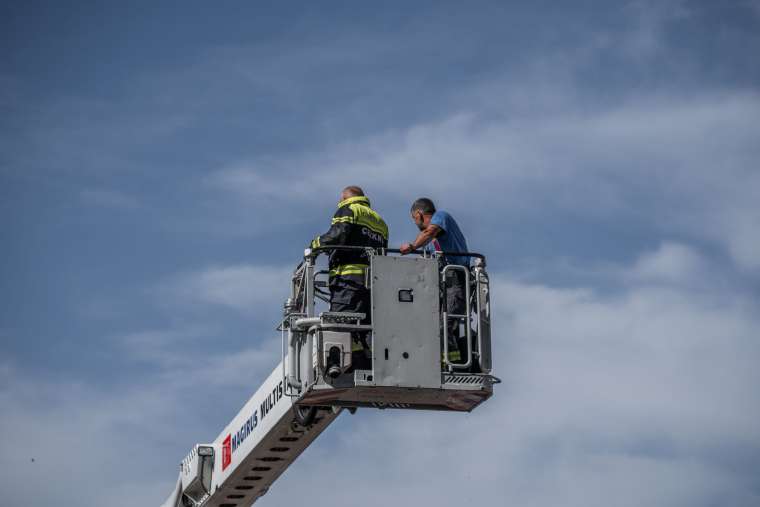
(260, 443)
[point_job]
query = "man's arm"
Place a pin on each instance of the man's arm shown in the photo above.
(423, 238)
(337, 235)
(338, 232)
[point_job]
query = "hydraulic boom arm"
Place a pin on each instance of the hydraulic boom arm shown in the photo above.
(258, 445)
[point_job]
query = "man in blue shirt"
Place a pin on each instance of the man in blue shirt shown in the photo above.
(439, 230)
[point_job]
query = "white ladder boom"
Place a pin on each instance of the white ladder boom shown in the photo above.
(260, 443)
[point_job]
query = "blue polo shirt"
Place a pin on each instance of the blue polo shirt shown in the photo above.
(450, 239)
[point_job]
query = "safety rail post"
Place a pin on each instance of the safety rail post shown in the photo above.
(483, 313)
(309, 286)
(466, 316)
(308, 362)
(306, 343)
(293, 353)
(284, 349)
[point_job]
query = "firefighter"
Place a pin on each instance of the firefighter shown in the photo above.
(355, 223)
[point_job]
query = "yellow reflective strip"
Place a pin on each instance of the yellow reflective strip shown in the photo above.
(339, 220)
(369, 218)
(349, 269)
(379, 228)
(454, 355)
(345, 272)
(356, 199)
(315, 242)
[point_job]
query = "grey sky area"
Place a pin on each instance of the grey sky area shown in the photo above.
(163, 165)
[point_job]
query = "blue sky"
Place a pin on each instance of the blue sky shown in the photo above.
(163, 166)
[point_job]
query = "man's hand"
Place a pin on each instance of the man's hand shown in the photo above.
(422, 239)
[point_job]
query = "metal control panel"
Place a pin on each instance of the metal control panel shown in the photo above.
(405, 322)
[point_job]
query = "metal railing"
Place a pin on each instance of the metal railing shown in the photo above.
(302, 325)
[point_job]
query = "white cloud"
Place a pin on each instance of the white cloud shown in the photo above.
(242, 287)
(120, 439)
(187, 357)
(66, 435)
(671, 262)
(682, 165)
(738, 226)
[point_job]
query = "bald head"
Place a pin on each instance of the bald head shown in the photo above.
(351, 191)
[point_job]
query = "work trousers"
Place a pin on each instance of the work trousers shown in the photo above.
(349, 294)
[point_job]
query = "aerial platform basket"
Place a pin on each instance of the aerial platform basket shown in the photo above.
(409, 367)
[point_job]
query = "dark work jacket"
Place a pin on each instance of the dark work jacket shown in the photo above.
(354, 224)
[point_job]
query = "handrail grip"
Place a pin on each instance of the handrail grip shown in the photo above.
(455, 254)
(307, 322)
